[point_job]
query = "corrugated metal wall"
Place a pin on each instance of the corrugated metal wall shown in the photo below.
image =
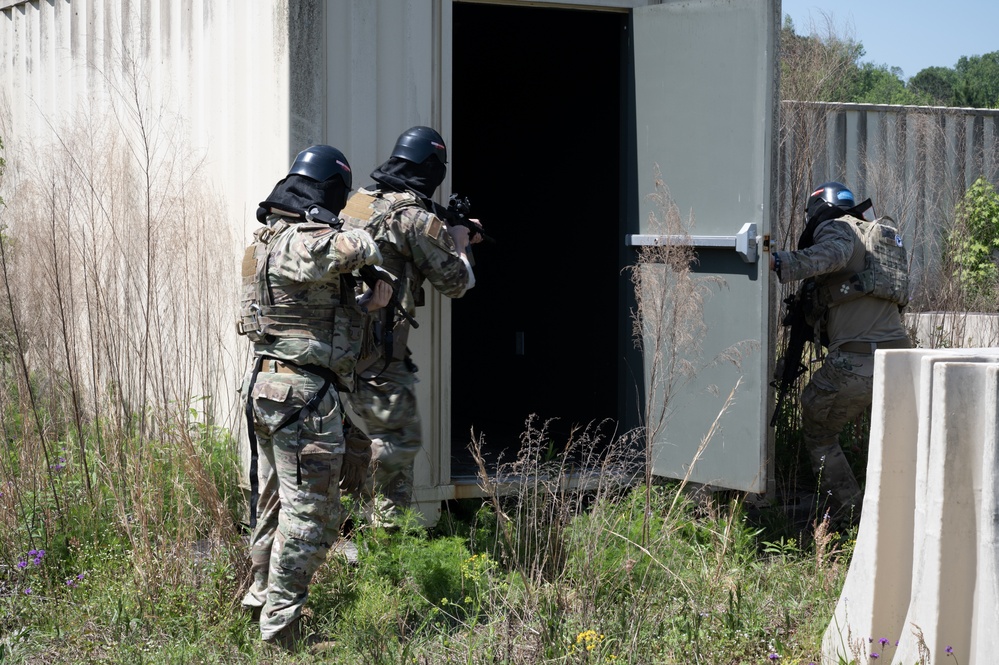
(216, 71)
(192, 103)
(914, 162)
(235, 88)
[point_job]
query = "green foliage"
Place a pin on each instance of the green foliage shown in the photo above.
(140, 574)
(973, 245)
(704, 589)
(879, 84)
(979, 76)
(937, 84)
(831, 69)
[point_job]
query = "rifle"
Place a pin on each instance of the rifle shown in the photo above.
(371, 275)
(457, 213)
(795, 318)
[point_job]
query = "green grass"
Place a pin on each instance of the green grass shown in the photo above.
(705, 584)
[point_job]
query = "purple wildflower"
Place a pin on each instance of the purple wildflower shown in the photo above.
(949, 650)
(71, 582)
(883, 641)
(874, 655)
(80, 576)
(774, 656)
(32, 552)
(22, 564)
(27, 592)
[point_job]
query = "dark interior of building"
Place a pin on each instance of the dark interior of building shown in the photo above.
(536, 146)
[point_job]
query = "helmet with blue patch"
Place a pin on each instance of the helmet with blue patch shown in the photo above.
(834, 194)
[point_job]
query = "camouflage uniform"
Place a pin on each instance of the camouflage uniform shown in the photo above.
(415, 246)
(842, 388)
(312, 339)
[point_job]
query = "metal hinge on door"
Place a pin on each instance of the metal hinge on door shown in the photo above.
(744, 242)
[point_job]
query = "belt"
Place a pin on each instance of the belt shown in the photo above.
(870, 347)
(278, 367)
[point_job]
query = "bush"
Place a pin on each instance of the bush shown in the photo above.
(973, 245)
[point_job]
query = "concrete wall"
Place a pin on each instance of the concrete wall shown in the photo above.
(924, 571)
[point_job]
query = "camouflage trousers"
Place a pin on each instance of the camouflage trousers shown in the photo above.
(385, 403)
(837, 393)
(298, 510)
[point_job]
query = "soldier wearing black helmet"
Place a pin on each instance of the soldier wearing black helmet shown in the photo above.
(858, 268)
(299, 312)
(417, 246)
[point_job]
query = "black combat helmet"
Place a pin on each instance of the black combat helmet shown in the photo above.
(320, 163)
(417, 144)
(834, 194)
(320, 176)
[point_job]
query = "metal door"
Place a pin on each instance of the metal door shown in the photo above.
(705, 110)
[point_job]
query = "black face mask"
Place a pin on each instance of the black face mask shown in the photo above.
(400, 175)
(296, 193)
(863, 210)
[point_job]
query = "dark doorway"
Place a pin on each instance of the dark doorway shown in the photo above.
(536, 146)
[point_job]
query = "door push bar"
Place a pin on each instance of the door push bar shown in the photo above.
(744, 242)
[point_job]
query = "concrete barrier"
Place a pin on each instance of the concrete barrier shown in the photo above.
(952, 330)
(924, 572)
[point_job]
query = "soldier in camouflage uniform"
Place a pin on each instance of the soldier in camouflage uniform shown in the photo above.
(859, 269)
(416, 246)
(299, 311)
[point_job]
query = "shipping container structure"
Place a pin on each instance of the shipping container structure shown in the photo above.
(557, 116)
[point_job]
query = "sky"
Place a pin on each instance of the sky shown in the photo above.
(911, 34)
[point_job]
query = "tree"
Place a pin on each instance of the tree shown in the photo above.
(877, 84)
(979, 80)
(936, 84)
(973, 243)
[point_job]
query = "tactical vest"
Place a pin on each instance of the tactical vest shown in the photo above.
(268, 312)
(368, 212)
(885, 274)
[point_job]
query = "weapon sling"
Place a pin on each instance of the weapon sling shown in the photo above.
(252, 435)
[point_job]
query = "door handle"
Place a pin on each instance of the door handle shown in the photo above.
(744, 242)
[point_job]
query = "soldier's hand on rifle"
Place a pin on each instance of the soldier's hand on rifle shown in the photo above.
(376, 298)
(460, 236)
(779, 368)
(477, 234)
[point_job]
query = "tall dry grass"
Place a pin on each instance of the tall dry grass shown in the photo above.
(118, 270)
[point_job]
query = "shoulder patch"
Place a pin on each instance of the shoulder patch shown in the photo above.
(359, 206)
(434, 228)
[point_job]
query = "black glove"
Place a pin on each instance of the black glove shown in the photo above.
(356, 458)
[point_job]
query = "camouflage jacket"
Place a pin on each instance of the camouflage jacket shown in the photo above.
(838, 251)
(294, 272)
(415, 245)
